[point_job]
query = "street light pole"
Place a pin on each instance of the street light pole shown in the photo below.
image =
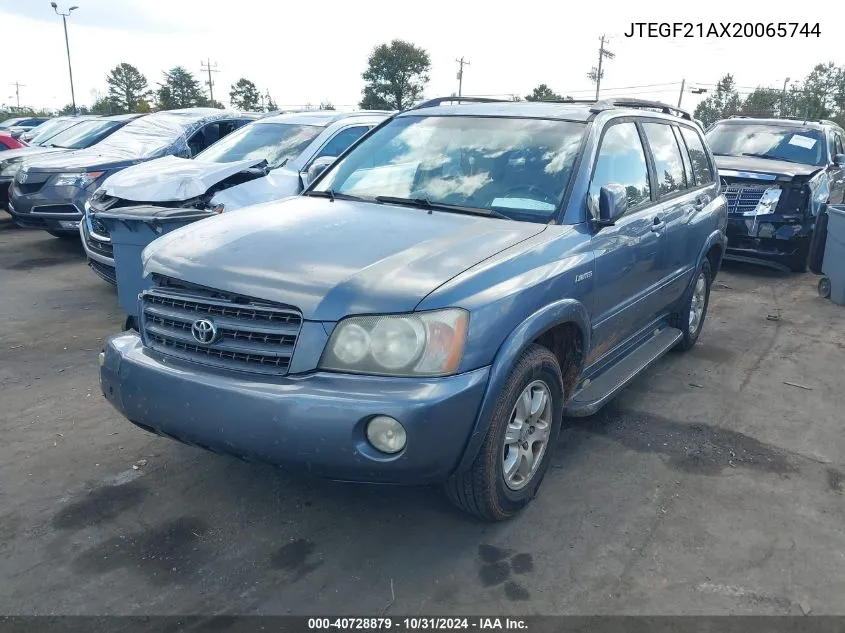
(65, 16)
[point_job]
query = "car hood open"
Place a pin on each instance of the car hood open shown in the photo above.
(171, 179)
(279, 183)
(332, 259)
(765, 166)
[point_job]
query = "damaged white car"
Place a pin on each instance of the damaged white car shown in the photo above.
(269, 159)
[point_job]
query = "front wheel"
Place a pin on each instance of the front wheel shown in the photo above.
(690, 316)
(514, 456)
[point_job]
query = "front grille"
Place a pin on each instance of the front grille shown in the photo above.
(28, 188)
(250, 335)
(744, 198)
(100, 247)
(64, 209)
(105, 271)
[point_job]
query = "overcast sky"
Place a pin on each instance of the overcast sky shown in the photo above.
(306, 52)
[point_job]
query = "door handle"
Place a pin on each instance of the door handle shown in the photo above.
(700, 201)
(658, 225)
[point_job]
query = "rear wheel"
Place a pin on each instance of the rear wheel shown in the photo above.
(690, 316)
(514, 456)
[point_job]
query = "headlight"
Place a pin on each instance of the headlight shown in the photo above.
(81, 180)
(419, 344)
(9, 168)
(819, 192)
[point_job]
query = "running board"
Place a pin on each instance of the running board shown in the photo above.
(593, 395)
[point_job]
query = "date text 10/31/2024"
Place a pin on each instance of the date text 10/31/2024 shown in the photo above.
(418, 624)
(723, 29)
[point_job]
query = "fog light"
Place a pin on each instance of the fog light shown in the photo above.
(386, 434)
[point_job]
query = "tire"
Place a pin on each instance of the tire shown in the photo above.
(824, 287)
(682, 317)
(482, 489)
(63, 235)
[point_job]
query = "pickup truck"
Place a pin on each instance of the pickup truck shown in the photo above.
(436, 300)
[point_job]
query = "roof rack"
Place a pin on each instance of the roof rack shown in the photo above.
(645, 104)
(430, 103)
(598, 106)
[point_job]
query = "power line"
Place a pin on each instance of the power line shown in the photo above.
(207, 67)
(596, 73)
(462, 63)
(18, 87)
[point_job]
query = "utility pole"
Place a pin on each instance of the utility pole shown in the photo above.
(65, 16)
(596, 73)
(206, 66)
(18, 87)
(462, 63)
(783, 98)
(681, 96)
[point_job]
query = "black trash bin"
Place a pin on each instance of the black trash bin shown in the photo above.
(131, 229)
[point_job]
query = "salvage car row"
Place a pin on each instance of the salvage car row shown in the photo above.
(421, 296)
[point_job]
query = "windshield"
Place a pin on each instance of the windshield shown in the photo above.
(277, 143)
(47, 130)
(149, 136)
(768, 140)
(518, 168)
(84, 134)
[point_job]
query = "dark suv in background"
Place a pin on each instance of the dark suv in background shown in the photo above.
(778, 174)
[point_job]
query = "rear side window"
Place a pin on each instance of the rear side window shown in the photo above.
(701, 168)
(621, 161)
(342, 140)
(838, 144)
(667, 158)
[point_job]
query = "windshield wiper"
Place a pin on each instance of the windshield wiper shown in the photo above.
(331, 194)
(769, 157)
(425, 203)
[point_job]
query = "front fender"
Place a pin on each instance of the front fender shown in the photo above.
(563, 311)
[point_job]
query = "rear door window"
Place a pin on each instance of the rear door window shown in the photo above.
(701, 169)
(668, 163)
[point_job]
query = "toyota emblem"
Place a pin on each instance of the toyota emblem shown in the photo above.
(204, 331)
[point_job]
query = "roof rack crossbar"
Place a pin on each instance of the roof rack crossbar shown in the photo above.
(665, 108)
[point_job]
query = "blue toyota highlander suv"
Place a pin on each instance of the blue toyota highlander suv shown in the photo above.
(436, 301)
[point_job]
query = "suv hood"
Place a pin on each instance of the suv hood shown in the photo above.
(332, 259)
(81, 160)
(27, 152)
(279, 183)
(171, 179)
(765, 166)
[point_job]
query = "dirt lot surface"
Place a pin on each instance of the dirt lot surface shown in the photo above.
(709, 486)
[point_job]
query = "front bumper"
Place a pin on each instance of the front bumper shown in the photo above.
(769, 241)
(99, 252)
(313, 423)
(56, 209)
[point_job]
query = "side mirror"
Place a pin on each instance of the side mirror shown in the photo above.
(316, 168)
(613, 204)
(839, 159)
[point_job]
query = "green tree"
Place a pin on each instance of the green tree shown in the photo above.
(543, 93)
(68, 109)
(326, 105)
(127, 87)
(724, 102)
(763, 102)
(179, 90)
(103, 105)
(269, 104)
(244, 95)
(823, 92)
(396, 76)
